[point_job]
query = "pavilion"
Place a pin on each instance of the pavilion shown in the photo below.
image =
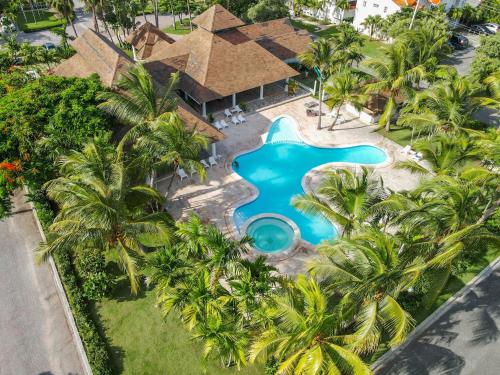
(223, 57)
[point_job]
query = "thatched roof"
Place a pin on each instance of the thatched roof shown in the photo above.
(95, 54)
(217, 18)
(147, 38)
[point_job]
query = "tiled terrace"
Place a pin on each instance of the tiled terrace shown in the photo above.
(223, 190)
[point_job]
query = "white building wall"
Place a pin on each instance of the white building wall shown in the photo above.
(331, 13)
(365, 8)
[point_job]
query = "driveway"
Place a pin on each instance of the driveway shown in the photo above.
(82, 23)
(465, 340)
(34, 335)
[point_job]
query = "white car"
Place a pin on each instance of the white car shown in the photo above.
(493, 27)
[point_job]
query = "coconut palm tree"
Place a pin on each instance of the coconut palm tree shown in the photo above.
(342, 6)
(446, 107)
(492, 99)
(395, 74)
(348, 42)
(140, 101)
(372, 23)
(344, 87)
(319, 56)
(445, 155)
(369, 273)
(98, 208)
(344, 197)
(304, 336)
(66, 9)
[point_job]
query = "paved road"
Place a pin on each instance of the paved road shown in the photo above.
(82, 23)
(35, 338)
(465, 340)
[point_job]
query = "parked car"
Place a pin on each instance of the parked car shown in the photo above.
(458, 41)
(480, 30)
(49, 46)
(493, 27)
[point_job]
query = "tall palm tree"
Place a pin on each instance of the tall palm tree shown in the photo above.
(344, 198)
(492, 99)
(395, 74)
(304, 336)
(140, 100)
(92, 5)
(446, 107)
(369, 273)
(348, 42)
(372, 23)
(66, 9)
(342, 6)
(320, 56)
(445, 155)
(100, 209)
(344, 87)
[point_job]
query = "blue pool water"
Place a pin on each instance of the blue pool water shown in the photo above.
(271, 235)
(277, 169)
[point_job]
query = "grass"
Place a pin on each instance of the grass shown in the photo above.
(328, 32)
(44, 20)
(373, 48)
(142, 343)
(401, 136)
(304, 26)
(180, 28)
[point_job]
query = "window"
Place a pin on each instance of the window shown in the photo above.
(375, 5)
(385, 9)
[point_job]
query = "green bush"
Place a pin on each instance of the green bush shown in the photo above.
(91, 266)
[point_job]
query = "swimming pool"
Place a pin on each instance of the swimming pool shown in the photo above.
(276, 169)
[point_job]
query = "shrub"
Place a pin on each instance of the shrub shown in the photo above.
(91, 267)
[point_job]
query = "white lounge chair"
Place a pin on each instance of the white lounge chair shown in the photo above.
(218, 125)
(235, 120)
(192, 171)
(227, 113)
(181, 173)
(204, 163)
(241, 118)
(212, 161)
(236, 109)
(405, 150)
(224, 123)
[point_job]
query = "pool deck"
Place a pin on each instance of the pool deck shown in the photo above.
(215, 199)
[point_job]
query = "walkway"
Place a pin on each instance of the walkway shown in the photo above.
(34, 335)
(464, 340)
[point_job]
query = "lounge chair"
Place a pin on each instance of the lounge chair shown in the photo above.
(212, 161)
(236, 109)
(227, 113)
(224, 123)
(218, 125)
(192, 171)
(181, 173)
(235, 120)
(241, 118)
(405, 150)
(204, 163)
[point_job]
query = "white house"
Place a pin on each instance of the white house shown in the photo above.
(383, 8)
(331, 13)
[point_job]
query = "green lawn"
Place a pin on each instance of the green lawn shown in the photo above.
(402, 136)
(36, 21)
(304, 26)
(141, 343)
(180, 29)
(373, 48)
(328, 32)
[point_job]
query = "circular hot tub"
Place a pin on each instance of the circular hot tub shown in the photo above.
(271, 234)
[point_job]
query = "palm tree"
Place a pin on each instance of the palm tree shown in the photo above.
(342, 6)
(369, 273)
(304, 336)
(92, 5)
(140, 101)
(344, 87)
(492, 83)
(61, 32)
(372, 23)
(99, 209)
(395, 75)
(445, 107)
(344, 198)
(319, 56)
(348, 42)
(66, 9)
(445, 155)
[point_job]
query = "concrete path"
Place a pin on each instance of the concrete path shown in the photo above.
(35, 338)
(464, 340)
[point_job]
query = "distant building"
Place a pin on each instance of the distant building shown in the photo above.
(384, 8)
(331, 13)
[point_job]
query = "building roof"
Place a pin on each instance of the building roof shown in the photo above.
(217, 18)
(146, 38)
(95, 54)
(405, 3)
(212, 67)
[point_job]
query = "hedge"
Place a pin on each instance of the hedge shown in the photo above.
(95, 344)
